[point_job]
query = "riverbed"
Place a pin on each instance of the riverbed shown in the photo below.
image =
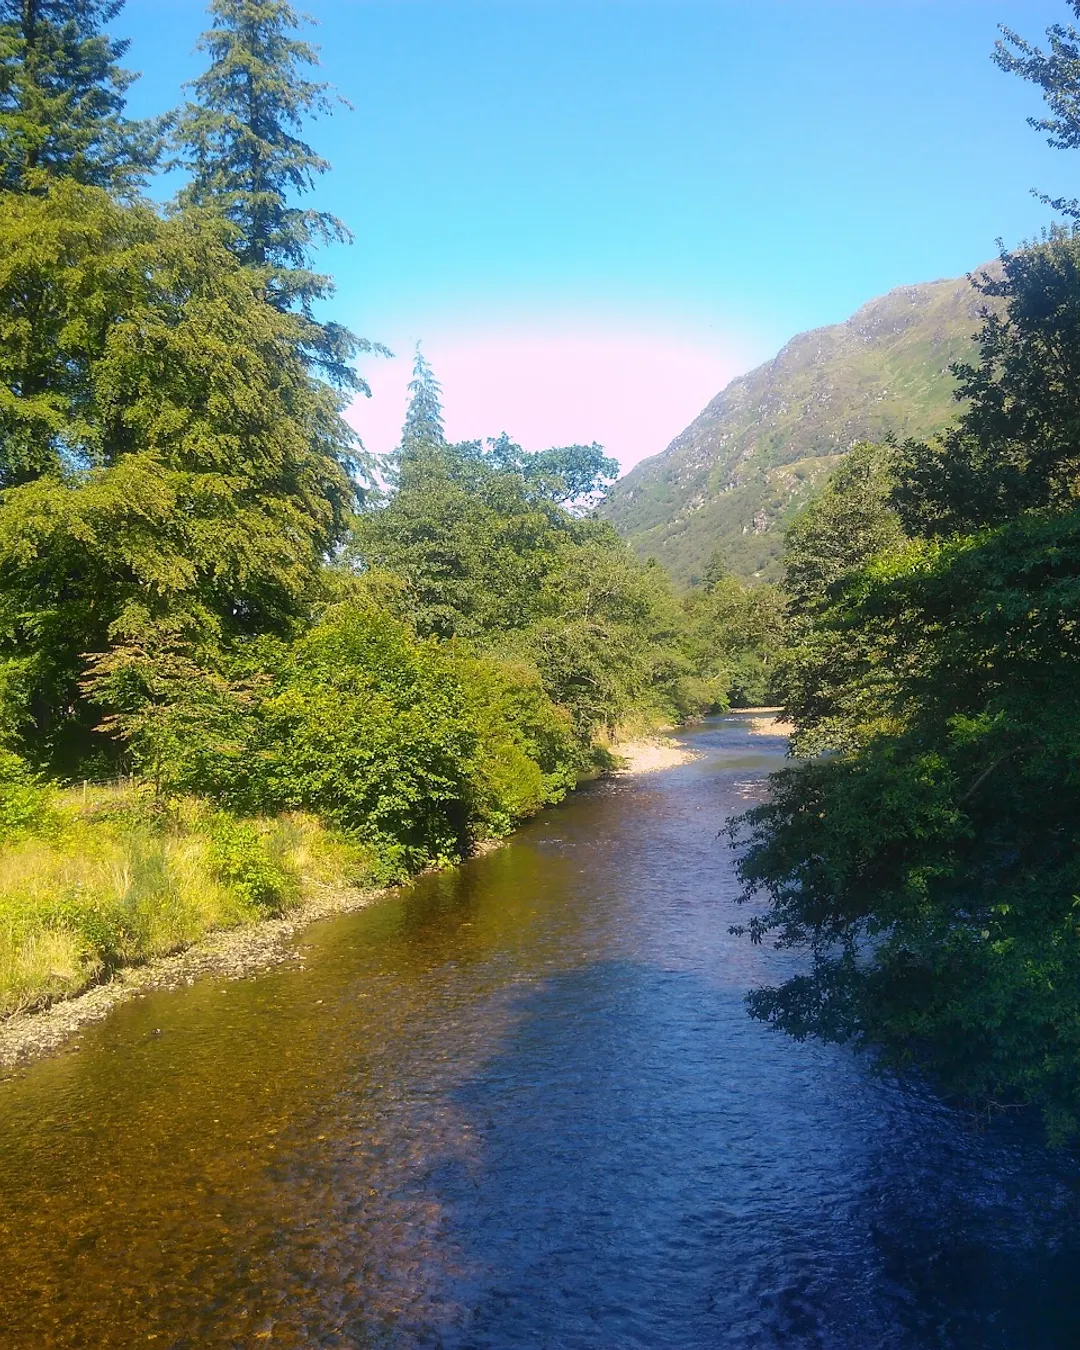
(521, 1105)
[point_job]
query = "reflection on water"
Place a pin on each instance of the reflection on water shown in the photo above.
(520, 1106)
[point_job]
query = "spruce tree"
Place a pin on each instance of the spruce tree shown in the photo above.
(424, 419)
(62, 98)
(239, 138)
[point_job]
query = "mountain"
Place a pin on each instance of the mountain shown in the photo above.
(738, 473)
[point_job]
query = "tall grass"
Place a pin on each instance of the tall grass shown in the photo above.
(107, 881)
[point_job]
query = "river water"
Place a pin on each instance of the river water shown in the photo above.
(521, 1105)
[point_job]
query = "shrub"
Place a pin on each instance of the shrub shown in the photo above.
(239, 857)
(24, 800)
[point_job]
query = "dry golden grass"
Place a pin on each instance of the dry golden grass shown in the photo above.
(110, 884)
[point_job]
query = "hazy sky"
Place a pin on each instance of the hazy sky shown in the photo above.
(595, 212)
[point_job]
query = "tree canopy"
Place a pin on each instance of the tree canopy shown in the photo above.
(62, 98)
(483, 549)
(239, 139)
(930, 864)
(165, 448)
(424, 416)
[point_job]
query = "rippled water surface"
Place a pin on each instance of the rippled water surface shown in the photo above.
(521, 1106)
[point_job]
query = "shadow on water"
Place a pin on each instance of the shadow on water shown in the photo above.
(521, 1105)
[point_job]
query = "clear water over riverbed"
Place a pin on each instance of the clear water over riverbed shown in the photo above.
(521, 1105)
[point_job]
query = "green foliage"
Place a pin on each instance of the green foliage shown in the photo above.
(186, 726)
(571, 476)
(848, 521)
(238, 855)
(240, 140)
(526, 756)
(470, 542)
(105, 881)
(424, 417)
(364, 726)
(1057, 73)
(606, 636)
(931, 864)
(166, 455)
(24, 799)
(735, 638)
(62, 99)
(416, 749)
(486, 554)
(1015, 447)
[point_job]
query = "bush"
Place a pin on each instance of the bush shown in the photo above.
(414, 747)
(24, 800)
(239, 857)
(527, 754)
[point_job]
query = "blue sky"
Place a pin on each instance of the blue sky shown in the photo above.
(595, 212)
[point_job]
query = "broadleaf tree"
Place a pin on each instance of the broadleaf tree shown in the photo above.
(1057, 73)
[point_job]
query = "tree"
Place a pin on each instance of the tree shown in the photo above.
(735, 637)
(62, 99)
(488, 557)
(930, 864)
(1015, 446)
(572, 476)
(1057, 73)
(716, 570)
(424, 418)
(167, 452)
(469, 541)
(849, 520)
(239, 139)
(414, 748)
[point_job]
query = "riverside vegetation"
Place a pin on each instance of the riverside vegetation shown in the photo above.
(236, 657)
(929, 863)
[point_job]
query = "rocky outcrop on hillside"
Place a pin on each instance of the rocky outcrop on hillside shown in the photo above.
(738, 473)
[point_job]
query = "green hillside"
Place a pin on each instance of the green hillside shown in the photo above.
(736, 474)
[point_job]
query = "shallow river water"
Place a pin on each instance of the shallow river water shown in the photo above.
(521, 1105)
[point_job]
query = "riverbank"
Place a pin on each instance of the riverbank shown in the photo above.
(654, 752)
(243, 950)
(649, 754)
(235, 953)
(231, 953)
(767, 721)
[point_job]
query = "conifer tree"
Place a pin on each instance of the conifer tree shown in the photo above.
(62, 98)
(424, 419)
(173, 477)
(240, 138)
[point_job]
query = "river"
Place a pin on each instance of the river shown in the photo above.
(521, 1105)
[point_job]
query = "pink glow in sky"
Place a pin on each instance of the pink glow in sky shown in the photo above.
(632, 392)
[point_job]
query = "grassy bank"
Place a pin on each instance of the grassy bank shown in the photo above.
(102, 879)
(94, 879)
